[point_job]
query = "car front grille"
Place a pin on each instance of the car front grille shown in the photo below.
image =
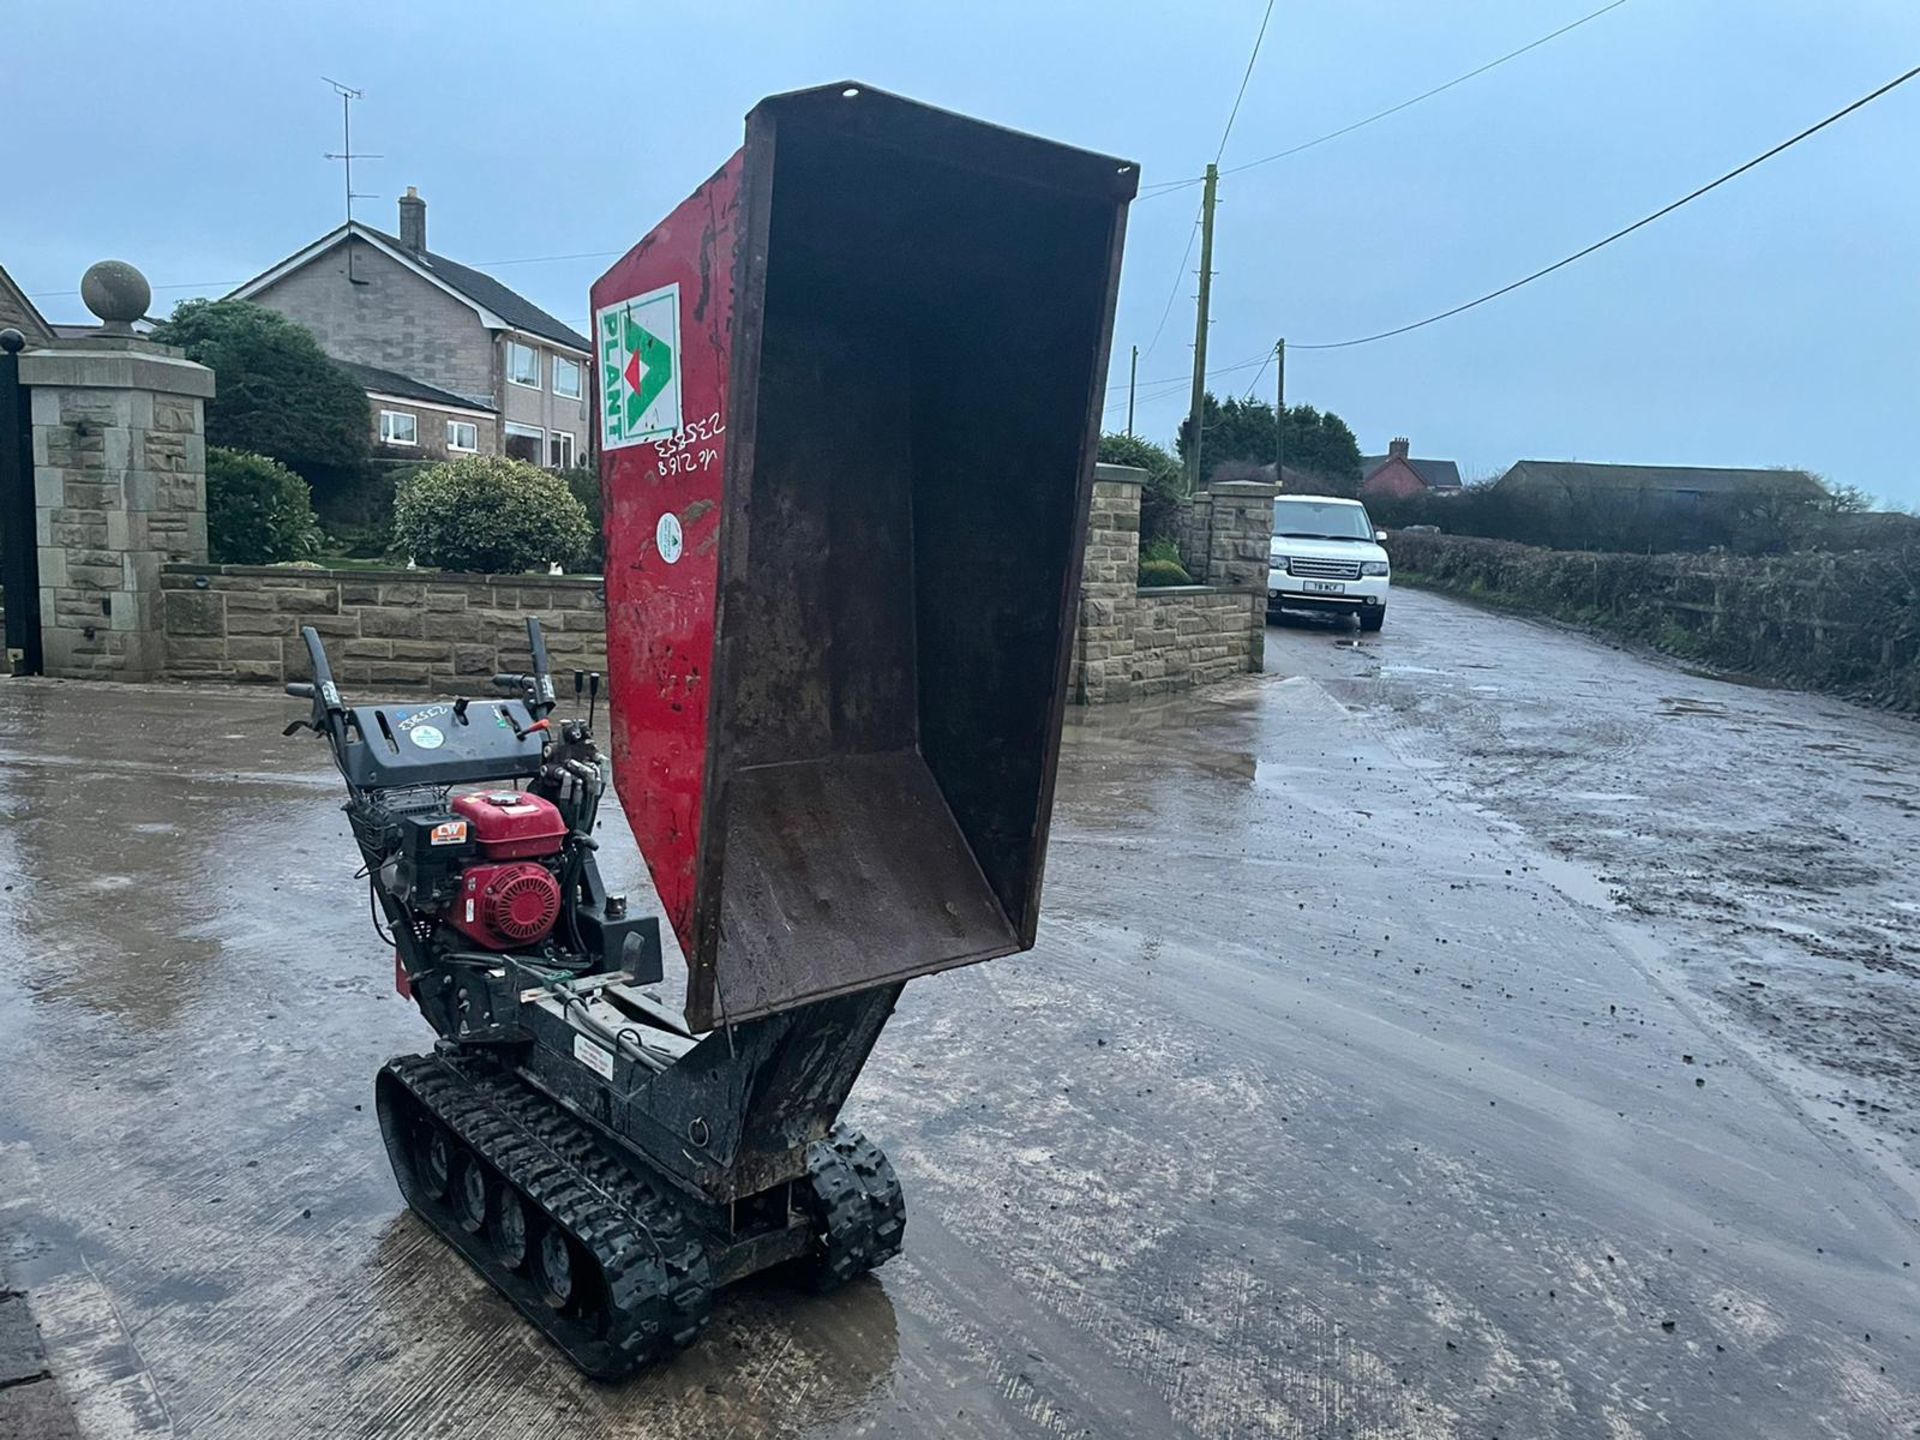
(1324, 569)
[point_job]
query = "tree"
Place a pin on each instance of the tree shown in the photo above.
(275, 391)
(1243, 431)
(1160, 496)
(490, 515)
(258, 511)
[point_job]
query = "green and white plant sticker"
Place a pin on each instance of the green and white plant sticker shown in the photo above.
(639, 345)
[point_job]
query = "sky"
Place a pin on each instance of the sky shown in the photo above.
(1774, 322)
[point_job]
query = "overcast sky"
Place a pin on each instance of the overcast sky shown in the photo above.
(1776, 322)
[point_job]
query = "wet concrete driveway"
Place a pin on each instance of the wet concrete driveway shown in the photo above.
(1346, 1094)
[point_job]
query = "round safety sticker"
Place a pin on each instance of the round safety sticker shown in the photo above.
(667, 536)
(427, 737)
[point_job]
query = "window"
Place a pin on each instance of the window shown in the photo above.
(399, 427)
(463, 435)
(523, 365)
(526, 442)
(566, 378)
(559, 449)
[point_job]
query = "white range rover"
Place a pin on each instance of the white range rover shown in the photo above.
(1327, 557)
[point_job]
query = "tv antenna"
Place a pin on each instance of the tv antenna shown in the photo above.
(347, 156)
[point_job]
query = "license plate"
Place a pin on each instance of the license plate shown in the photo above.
(1323, 587)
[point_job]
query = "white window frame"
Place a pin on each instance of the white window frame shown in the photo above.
(452, 424)
(387, 437)
(579, 377)
(567, 447)
(512, 379)
(514, 430)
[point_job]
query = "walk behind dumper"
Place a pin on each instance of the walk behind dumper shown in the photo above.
(848, 398)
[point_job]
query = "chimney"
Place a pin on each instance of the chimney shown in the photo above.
(1396, 449)
(413, 220)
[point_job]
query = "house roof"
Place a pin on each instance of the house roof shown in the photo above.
(499, 308)
(1675, 479)
(519, 312)
(405, 387)
(1435, 474)
(17, 309)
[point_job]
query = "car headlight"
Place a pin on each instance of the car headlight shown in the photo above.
(1374, 567)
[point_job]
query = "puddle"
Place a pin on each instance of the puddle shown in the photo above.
(1575, 881)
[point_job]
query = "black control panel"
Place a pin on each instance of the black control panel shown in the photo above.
(448, 742)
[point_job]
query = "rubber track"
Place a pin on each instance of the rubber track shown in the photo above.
(859, 1213)
(653, 1272)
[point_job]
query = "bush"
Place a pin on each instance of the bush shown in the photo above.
(1160, 496)
(489, 515)
(1163, 572)
(583, 483)
(258, 511)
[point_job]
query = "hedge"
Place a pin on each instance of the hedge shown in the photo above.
(1847, 623)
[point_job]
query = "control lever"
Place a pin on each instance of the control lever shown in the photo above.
(593, 695)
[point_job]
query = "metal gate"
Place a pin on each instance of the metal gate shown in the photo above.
(19, 544)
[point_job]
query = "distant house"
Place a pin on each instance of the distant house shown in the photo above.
(17, 312)
(1397, 475)
(1676, 484)
(452, 360)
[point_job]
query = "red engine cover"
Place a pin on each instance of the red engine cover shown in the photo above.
(504, 906)
(510, 825)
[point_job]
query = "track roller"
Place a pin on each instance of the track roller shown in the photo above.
(859, 1215)
(585, 1248)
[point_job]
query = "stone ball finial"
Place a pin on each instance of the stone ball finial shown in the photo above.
(117, 293)
(12, 341)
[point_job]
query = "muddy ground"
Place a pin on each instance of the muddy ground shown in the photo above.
(1354, 1088)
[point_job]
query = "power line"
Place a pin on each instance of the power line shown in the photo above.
(1184, 379)
(1166, 187)
(1174, 293)
(1233, 114)
(1199, 218)
(1621, 234)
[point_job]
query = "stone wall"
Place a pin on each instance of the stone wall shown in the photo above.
(1191, 635)
(1135, 642)
(381, 627)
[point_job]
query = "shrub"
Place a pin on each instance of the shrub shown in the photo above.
(258, 511)
(1163, 572)
(583, 482)
(490, 515)
(1160, 496)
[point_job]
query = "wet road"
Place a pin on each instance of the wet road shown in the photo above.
(1352, 1089)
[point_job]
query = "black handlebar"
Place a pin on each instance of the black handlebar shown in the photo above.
(300, 689)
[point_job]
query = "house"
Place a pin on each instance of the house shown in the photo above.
(453, 361)
(1642, 484)
(17, 312)
(1397, 476)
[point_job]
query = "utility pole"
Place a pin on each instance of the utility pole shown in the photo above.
(1133, 378)
(346, 156)
(1198, 408)
(1280, 416)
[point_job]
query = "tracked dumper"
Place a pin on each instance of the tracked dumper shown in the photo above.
(848, 396)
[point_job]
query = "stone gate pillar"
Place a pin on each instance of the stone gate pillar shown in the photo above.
(119, 473)
(1240, 540)
(1109, 581)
